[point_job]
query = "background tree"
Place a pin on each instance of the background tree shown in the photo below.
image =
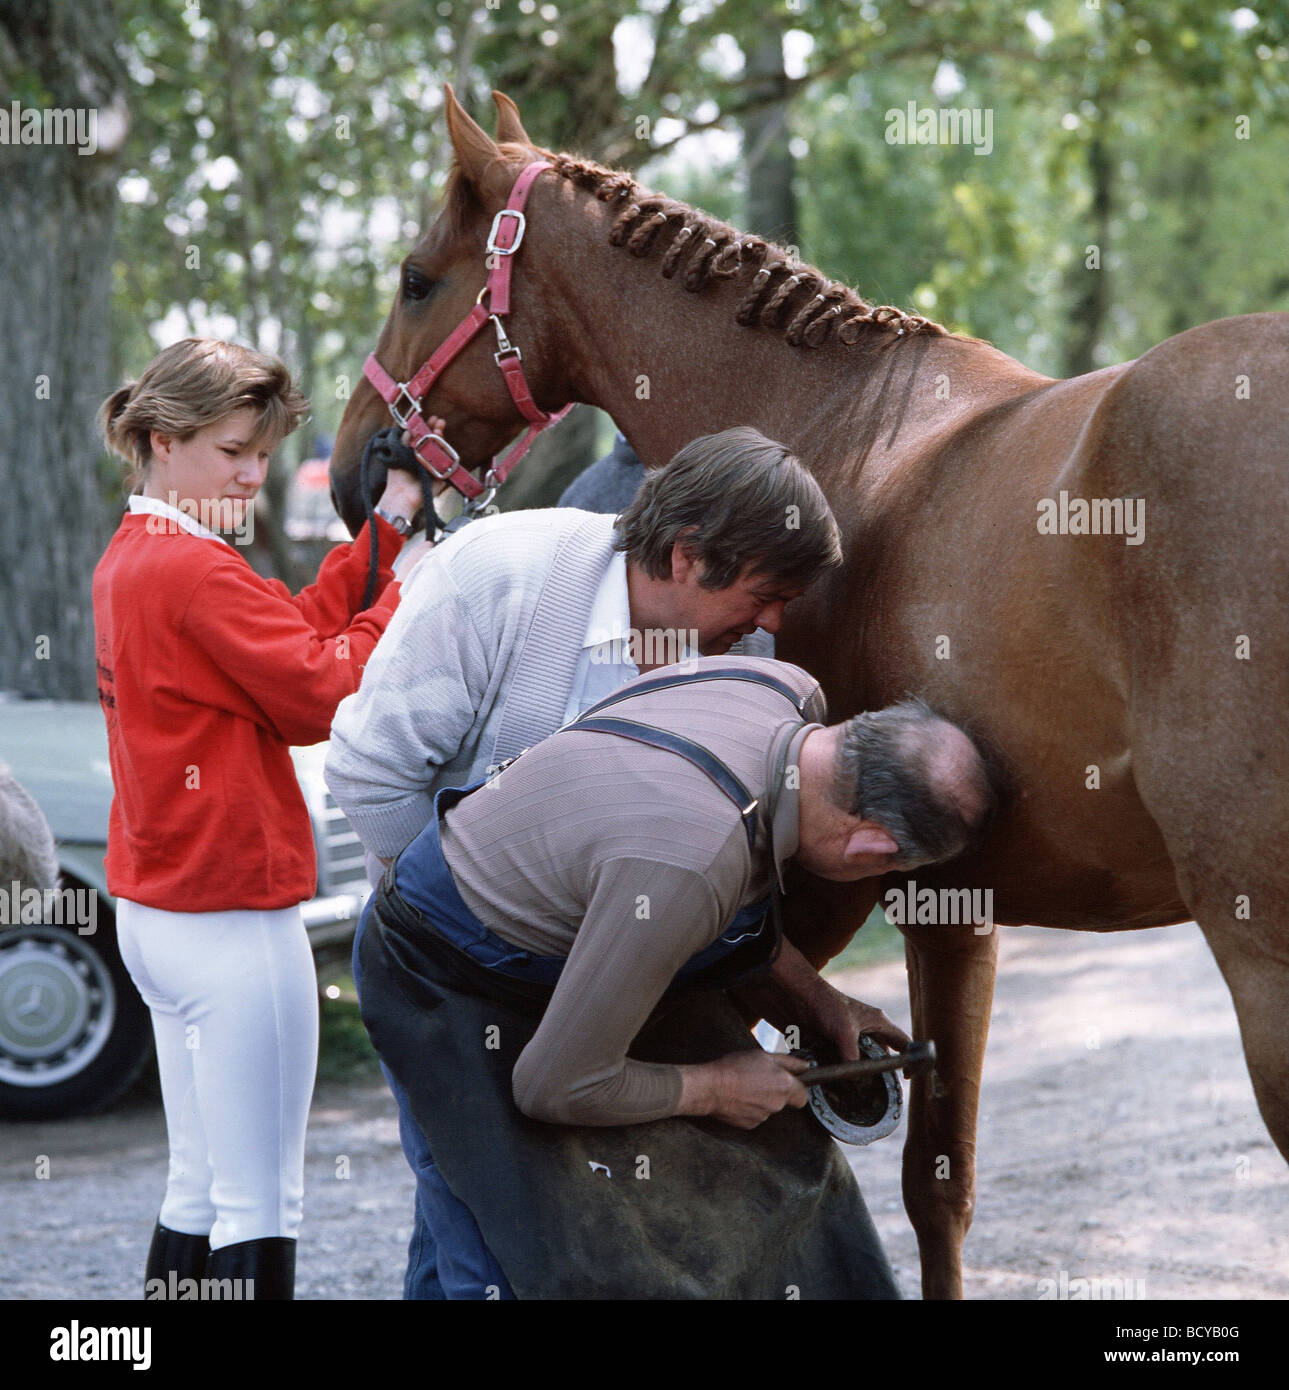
(57, 219)
(283, 156)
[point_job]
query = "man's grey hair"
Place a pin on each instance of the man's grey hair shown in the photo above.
(732, 499)
(891, 769)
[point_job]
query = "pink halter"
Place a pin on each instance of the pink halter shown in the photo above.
(404, 398)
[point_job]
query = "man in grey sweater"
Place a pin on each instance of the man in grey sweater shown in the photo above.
(517, 623)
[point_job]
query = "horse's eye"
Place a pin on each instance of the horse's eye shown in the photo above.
(416, 285)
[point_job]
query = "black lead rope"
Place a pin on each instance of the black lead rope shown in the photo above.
(372, 486)
(373, 564)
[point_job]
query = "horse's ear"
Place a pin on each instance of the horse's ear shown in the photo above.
(474, 148)
(509, 126)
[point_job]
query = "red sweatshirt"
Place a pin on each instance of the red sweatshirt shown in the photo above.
(206, 674)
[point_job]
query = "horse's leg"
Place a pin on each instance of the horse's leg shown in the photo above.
(951, 989)
(1211, 761)
(821, 917)
(1258, 977)
(1236, 885)
(1199, 613)
(1235, 881)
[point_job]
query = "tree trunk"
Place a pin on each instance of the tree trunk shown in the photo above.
(771, 202)
(57, 219)
(557, 457)
(1090, 294)
(266, 294)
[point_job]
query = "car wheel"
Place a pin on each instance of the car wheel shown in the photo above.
(74, 1033)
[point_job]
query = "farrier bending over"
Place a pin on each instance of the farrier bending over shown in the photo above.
(609, 864)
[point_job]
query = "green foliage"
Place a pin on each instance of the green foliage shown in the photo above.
(345, 1052)
(284, 156)
(875, 943)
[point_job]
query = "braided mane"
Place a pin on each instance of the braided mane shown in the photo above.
(711, 250)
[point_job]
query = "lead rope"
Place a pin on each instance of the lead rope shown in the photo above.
(373, 559)
(433, 522)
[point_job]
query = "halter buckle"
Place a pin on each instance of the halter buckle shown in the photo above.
(428, 465)
(520, 224)
(403, 418)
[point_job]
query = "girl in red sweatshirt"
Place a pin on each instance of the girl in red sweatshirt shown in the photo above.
(207, 674)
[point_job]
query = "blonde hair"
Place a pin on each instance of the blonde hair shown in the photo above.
(192, 384)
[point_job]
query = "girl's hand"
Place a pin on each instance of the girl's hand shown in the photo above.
(437, 425)
(403, 495)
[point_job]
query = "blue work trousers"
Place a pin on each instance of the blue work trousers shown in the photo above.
(447, 1256)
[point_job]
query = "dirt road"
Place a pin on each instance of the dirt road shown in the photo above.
(1119, 1140)
(1119, 1137)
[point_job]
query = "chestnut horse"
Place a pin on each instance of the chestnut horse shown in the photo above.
(1090, 573)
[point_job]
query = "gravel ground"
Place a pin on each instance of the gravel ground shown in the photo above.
(1119, 1139)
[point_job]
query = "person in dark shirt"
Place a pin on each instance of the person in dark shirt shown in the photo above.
(608, 485)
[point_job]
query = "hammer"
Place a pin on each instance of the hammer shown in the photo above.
(920, 1056)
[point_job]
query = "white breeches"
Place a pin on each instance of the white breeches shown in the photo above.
(234, 1001)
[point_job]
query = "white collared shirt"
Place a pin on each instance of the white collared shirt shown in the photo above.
(154, 506)
(605, 662)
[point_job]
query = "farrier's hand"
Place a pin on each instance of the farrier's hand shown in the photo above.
(841, 1019)
(742, 1088)
(795, 993)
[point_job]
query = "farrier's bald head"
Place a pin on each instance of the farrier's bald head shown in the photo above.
(916, 774)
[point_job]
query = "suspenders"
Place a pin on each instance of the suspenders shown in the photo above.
(674, 743)
(713, 673)
(706, 761)
(750, 940)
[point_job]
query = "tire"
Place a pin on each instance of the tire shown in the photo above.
(74, 1033)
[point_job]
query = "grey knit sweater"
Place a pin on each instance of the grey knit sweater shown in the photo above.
(475, 666)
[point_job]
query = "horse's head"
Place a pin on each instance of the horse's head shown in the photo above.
(439, 283)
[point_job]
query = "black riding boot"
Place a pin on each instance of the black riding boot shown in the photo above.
(266, 1267)
(173, 1252)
